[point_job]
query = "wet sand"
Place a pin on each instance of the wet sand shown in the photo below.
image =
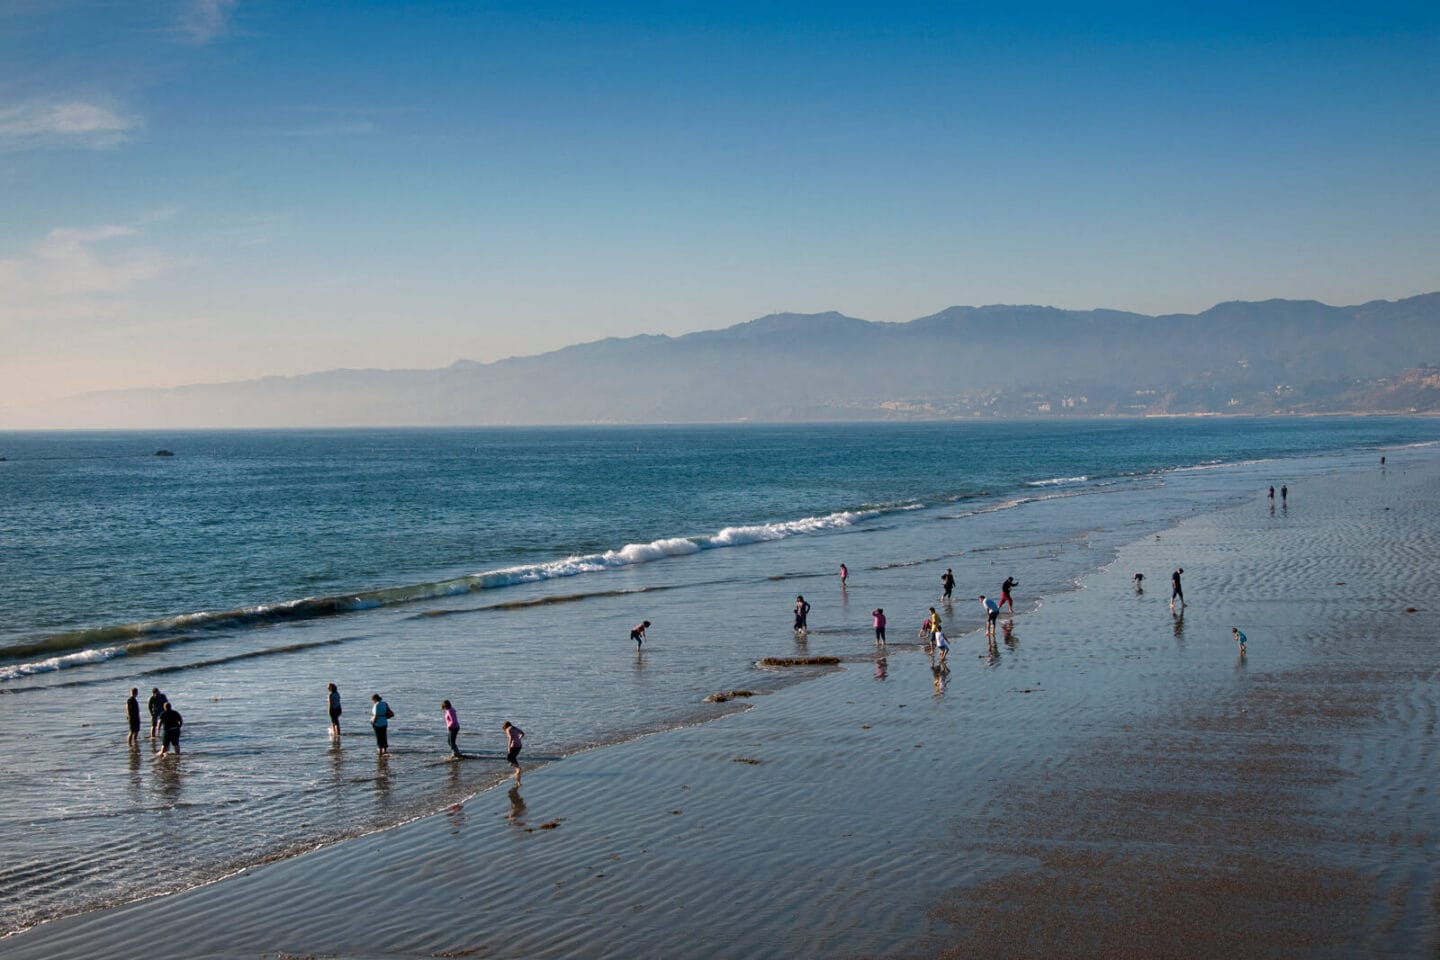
(1107, 780)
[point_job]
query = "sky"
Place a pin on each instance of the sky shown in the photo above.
(208, 190)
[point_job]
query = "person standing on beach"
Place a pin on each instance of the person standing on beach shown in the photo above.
(948, 582)
(1139, 581)
(1239, 639)
(452, 727)
(637, 633)
(879, 614)
(1175, 588)
(332, 703)
(170, 724)
(992, 613)
(380, 714)
(802, 614)
(155, 704)
(514, 736)
(844, 575)
(932, 626)
(1272, 493)
(1005, 589)
(132, 717)
(942, 646)
(1284, 493)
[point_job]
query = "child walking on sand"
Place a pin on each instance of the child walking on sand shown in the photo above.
(513, 738)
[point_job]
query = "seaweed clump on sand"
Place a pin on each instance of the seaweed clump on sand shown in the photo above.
(800, 661)
(728, 695)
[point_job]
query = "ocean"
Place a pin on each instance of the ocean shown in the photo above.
(503, 569)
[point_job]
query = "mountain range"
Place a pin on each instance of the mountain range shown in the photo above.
(1270, 357)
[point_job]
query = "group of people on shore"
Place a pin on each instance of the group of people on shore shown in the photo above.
(381, 714)
(931, 631)
(164, 720)
(168, 723)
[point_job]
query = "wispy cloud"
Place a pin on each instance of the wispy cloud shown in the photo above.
(204, 21)
(73, 273)
(41, 124)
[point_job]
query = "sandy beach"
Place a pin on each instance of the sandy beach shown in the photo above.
(1107, 780)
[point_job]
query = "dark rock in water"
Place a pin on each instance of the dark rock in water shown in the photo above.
(164, 453)
(799, 661)
(730, 695)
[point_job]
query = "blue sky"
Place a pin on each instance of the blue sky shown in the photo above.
(198, 190)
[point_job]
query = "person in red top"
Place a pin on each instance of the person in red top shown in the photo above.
(879, 614)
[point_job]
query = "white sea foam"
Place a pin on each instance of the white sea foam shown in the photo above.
(51, 664)
(1055, 481)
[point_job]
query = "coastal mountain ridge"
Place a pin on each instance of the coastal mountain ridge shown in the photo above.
(1239, 357)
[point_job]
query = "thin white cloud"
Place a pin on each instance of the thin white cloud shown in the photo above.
(41, 124)
(204, 21)
(74, 273)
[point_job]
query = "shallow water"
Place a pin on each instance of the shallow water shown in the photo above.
(89, 822)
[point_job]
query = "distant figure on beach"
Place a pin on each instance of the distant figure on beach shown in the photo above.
(380, 716)
(1005, 589)
(1139, 581)
(948, 582)
(132, 717)
(802, 613)
(1284, 493)
(992, 613)
(844, 574)
(452, 726)
(942, 646)
(170, 724)
(1175, 588)
(513, 739)
(879, 614)
(155, 704)
(637, 633)
(1382, 460)
(1272, 493)
(1239, 639)
(332, 704)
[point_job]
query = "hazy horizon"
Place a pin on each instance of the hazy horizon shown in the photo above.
(203, 191)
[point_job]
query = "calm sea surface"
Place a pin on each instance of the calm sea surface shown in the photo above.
(501, 569)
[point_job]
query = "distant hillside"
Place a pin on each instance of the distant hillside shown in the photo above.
(1279, 356)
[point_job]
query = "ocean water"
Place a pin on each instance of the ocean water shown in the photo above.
(502, 569)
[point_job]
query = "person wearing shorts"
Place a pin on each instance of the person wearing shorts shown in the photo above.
(170, 724)
(132, 716)
(637, 633)
(514, 738)
(992, 613)
(1005, 589)
(1239, 639)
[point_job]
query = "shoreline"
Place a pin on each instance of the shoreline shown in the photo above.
(937, 789)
